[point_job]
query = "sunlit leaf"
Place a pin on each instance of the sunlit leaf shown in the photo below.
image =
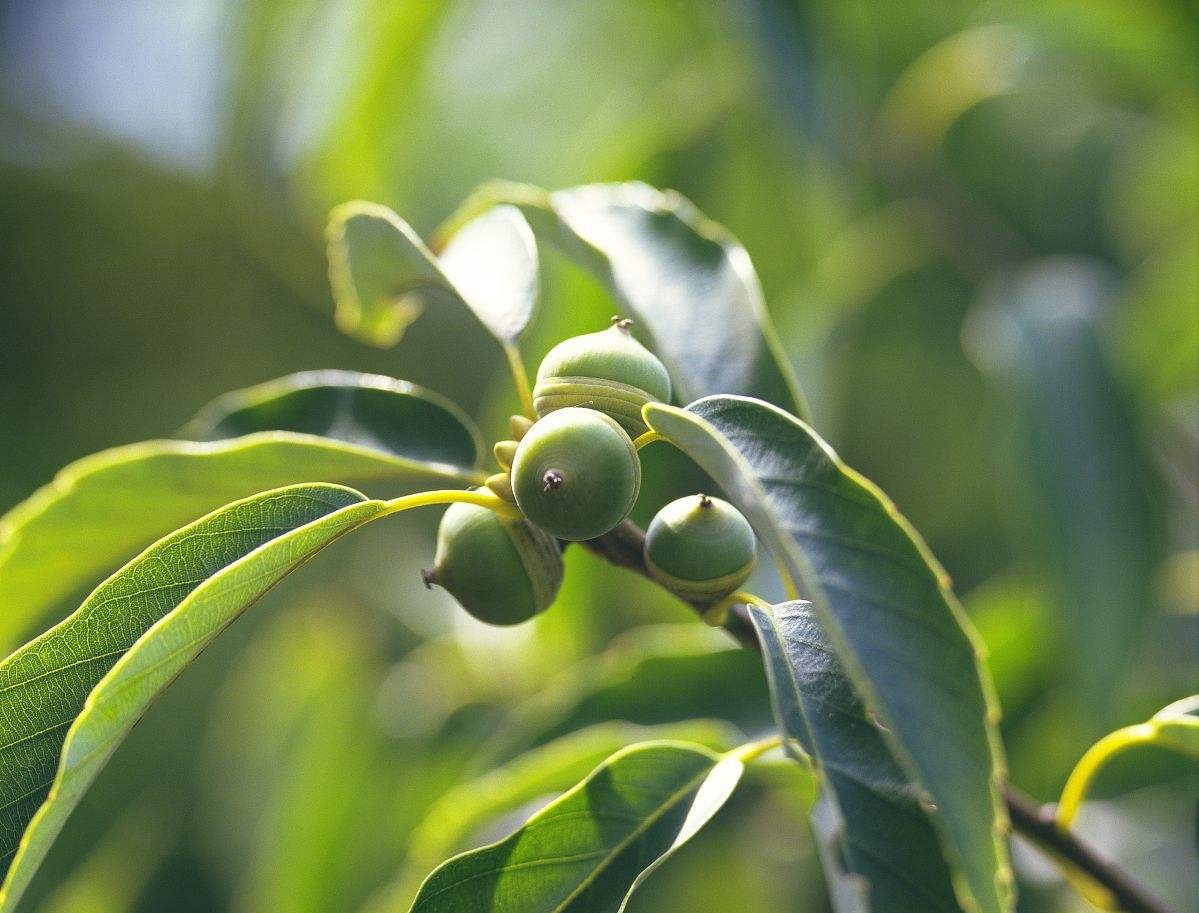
(539, 774)
(492, 263)
(68, 698)
(881, 852)
(885, 608)
(381, 272)
(100, 510)
(584, 851)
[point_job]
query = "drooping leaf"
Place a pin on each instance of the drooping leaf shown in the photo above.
(881, 852)
(583, 852)
(536, 775)
(68, 698)
(371, 411)
(381, 272)
(884, 606)
(684, 278)
(336, 426)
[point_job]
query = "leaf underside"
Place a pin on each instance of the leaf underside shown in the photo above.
(884, 607)
(881, 852)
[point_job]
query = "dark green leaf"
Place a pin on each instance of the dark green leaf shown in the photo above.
(100, 510)
(68, 698)
(869, 820)
(583, 852)
(885, 607)
(366, 410)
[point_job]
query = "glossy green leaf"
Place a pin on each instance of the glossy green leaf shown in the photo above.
(366, 410)
(338, 427)
(68, 698)
(542, 772)
(584, 851)
(381, 272)
(885, 607)
(684, 278)
(881, 852)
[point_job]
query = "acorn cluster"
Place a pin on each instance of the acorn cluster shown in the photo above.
(575, 474)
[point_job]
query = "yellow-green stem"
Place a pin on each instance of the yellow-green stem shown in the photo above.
(452, 496)
(521, 379)
(647, 438)
(1089, 764)
(754, 750)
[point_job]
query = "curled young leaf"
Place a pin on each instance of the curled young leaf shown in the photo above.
(381, 272)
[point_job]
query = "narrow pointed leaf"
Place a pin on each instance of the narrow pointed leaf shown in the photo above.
(884, 606)
(583, 852)
(546, 770)
(382, 272)
(336, 426)
(881, 852)
(68, 698)
(684, 278)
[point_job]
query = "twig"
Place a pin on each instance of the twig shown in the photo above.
(624, 547)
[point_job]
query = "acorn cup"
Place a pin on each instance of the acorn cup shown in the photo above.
(700, 548)
(609, 371)
(576, 474)
(501, 571)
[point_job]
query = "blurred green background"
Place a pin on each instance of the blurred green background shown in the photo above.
(977, 226)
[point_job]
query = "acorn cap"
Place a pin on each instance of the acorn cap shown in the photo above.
(609, 371)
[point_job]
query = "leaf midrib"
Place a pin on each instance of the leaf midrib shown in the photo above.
(607, 858)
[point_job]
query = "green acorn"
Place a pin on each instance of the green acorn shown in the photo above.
(609, 371)
(700, 548)
(501, 571)
(576, 474)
